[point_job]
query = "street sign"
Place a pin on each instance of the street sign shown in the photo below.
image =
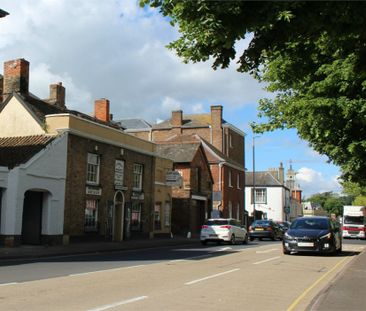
(173, 179)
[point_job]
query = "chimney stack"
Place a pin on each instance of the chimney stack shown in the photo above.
(16, 76)
(216, 127)
(101, 109)
(177, 118)
(57, 95)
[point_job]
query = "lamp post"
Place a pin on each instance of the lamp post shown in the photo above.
(254, 137)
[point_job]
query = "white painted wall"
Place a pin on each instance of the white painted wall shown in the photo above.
(275, 203)
(16, 120)
(45, 172)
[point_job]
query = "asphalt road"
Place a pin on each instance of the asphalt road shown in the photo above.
(244, 277)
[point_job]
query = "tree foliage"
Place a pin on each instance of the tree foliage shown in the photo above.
(356, 191)
(332, 203)
(311, 54)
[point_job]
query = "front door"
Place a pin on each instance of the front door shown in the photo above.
(32, 217)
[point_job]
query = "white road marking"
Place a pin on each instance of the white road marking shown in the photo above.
(106, 270)
(266, 260)
(116, 304)
(6, 284)
(224, 249)
(267, 251)
(210, 277)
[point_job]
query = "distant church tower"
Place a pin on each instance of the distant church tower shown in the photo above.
(291, 184)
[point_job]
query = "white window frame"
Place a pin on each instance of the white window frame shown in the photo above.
(138, 170)
(167, 209)
(230, 179)
(260, 195)
(91, 215)
(93, 168)
(238, 181)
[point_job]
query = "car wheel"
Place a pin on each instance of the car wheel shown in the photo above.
(232, 240)
(286, 252)
(252, 239)
(245, 241)
(273, 238)
(203, 242)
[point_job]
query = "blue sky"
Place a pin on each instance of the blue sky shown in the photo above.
(116, 50)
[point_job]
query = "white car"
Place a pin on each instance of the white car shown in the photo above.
(223, 230)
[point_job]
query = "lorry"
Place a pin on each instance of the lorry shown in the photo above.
(354, 221)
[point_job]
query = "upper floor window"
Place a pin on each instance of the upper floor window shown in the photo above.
(260, 195)
(137, 176)
(231, 141)
(238, 181)
(230, 179)
(92, 176)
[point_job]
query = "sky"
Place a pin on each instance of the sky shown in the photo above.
(116, 50)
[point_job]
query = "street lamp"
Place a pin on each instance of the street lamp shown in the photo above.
(254, 137)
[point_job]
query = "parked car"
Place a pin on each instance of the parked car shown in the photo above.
(223, 230)
(284, 225)
(260, 229)
(313, 234)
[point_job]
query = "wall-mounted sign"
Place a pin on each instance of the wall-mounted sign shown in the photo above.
(173, 179)
(137, 196)
(118, 174)
(93, 191)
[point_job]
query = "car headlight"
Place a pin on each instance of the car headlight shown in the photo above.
(287, 236)
(326, 236)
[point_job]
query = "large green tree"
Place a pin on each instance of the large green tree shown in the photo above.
(312, 55)
(331, 202)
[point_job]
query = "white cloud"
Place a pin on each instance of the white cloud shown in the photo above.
(116, 50)
(312, 182)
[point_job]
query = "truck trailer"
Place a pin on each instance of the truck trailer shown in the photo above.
(354, 221)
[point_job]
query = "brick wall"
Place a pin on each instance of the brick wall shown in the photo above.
(76, 196)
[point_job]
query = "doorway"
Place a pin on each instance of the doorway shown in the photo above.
(118, 216)
(32, 217)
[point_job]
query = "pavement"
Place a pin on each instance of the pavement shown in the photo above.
(78, 248)
(345, 292)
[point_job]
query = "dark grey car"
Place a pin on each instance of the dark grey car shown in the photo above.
(313, 234)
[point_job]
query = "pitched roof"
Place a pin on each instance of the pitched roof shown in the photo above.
(189, 120)
(264, 179)
(179, 152)
(134, 124)
(40, 108)
(18, 150)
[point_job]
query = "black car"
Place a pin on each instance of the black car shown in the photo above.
(313, 234)
(260, 229)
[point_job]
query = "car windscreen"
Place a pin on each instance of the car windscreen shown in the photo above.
(354, 220)
(216, 222)
(315, 224)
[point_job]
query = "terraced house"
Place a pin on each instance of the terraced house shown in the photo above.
(223, 145)
(66, 175)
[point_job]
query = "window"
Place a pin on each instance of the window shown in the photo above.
(238, 181)
(91, 215)
(238, 211)
(92, 176)
(230, 179)
(167, 214)
(230, 141)
(137, 176)
(260, 195)
(230, 205)
(157, 213)
(136, 216)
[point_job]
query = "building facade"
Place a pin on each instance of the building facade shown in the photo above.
(65, 175)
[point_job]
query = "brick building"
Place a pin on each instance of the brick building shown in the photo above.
(79, 176)
(223, 144)
(191, 202)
